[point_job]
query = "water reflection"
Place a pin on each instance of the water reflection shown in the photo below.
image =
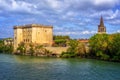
(14, 67)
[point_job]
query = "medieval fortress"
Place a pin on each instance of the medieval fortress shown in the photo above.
(33, 33)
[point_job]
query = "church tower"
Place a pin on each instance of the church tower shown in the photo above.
(101, 27)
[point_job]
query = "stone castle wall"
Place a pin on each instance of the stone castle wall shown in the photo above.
(34, 33)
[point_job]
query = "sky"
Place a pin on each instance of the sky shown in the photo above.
(76, 18)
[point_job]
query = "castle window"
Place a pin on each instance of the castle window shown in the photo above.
(23, 40)
(26, 40)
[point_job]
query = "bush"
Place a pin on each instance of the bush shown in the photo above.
(105, 57)
(67, 55)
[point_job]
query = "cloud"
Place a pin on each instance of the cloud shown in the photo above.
(115, 22)
(56, 5)
(72, 17)
(118, 31)
(77, 34)
(14, 6)
(108, 2)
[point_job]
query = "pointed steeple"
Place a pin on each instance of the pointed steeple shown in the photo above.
(101, 21)
(101, 27)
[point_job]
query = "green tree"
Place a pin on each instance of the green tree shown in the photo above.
(76, 49)
(99, 46)
(21, 48)
(1, 46)
(115, 47)
(5, 48)
(81, 50)
(56, 37)
(31, 50)
(106, 47)
(60, 40)
(8, 48)
(73, 44)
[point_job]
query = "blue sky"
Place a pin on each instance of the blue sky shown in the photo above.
(76, 18)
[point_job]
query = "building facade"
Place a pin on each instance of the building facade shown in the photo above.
(101, 27)
(33, 33)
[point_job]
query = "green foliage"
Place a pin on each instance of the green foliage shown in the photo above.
(99, 42)
(5, 48)
(76, 49)
(1, 45)
(60, 40)
(104, 46)
(81, 50)
(31, 51)
(73, 44)
(67, 55)
(21, 48)
(115, 46)
(8, 48)
(103, 56)
(57, 37)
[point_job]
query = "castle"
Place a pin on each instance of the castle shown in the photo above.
(33, 33)
(101, 27)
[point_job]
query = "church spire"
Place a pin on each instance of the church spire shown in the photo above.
(101, 27)
(101, 21)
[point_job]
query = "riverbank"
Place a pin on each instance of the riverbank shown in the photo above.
(59, 57)
(43, 51)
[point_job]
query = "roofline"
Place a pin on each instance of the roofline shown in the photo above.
(32, 25)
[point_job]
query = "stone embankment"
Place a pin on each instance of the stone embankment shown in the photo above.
(57, 50)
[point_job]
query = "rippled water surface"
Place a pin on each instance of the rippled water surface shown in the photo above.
(34, 68)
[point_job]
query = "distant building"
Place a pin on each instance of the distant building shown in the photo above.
(84, 41)
(8, 41)
(33, 33)
(101, 27)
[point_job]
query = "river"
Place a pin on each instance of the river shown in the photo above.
(13, 67)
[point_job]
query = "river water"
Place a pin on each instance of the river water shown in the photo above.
(14, 67)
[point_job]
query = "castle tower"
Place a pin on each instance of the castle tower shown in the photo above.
(101, 27)
(33, 33)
